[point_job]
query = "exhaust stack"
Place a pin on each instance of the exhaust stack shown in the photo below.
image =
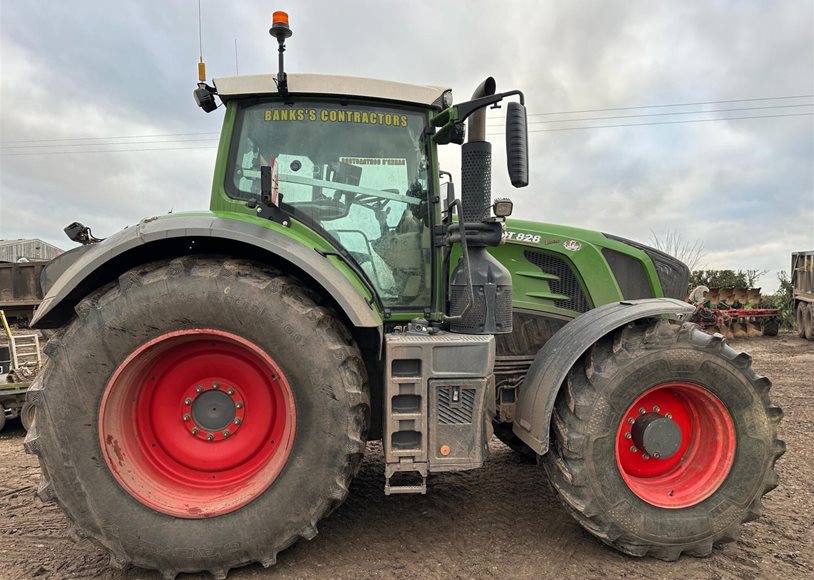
(490, 311)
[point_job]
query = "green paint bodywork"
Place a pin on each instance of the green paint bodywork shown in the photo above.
(531, 286)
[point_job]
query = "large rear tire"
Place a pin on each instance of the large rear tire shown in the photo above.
(199, 414)
(664, 440)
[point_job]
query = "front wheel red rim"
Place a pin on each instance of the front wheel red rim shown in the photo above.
(675, 445)
(197, 423)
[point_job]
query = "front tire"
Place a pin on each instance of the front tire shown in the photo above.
(664, 440)
(142, 387)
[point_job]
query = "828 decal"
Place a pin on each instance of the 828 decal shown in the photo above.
(521, 237)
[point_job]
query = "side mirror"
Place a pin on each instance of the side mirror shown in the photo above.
(517, 148)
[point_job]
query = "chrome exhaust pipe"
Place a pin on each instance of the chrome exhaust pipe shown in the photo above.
(477, 121)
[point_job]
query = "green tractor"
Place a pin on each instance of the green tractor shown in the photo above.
(214, 376)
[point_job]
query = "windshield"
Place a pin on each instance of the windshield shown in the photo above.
(358, 172)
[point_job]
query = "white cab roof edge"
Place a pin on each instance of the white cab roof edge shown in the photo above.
(319, 84)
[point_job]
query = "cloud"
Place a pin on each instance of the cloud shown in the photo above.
(746, 188)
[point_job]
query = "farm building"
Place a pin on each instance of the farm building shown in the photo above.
(27, 250)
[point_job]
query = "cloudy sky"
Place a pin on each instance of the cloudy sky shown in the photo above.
(79, 79)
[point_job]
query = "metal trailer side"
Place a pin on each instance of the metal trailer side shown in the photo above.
(802, 275)
(802, 281)
(20, 290)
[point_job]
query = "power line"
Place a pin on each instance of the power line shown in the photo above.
(8, 144)
(665, 123)
(532, 131)
(2, 143)
(671, 105)
(113, 137)
(170, 141)
(44, 153)
(670, 114)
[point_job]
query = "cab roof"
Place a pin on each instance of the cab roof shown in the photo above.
(334, 85)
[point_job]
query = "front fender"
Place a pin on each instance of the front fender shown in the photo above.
(552, 363)
(145, 241)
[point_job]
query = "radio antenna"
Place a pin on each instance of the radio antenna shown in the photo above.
(201, 64)
(204, 94)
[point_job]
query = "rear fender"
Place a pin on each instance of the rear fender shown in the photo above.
(552, 363)
(155, 239)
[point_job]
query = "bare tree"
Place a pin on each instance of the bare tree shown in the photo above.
(752, 276)
(673, 243)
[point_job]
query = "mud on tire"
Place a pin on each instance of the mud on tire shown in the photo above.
(586, 467)
(313, 350)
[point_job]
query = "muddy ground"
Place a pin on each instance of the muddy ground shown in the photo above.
(502, 521)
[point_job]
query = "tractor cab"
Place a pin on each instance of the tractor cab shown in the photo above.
(351, 158)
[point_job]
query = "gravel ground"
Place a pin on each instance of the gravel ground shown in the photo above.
(501, 521)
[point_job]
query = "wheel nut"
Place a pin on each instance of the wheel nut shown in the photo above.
(645, 457)
(239, 405)
(631, 421)
(216, 385)
(656, 455)
(199, 389)
(230, 391)
(187, 401)
(227, 433)
(186, 417)
(656, 408)
(237, 421)
(194, 430)
(633, 449)
(669, 416)
(628, 436)
(210, 437)
(642, 411)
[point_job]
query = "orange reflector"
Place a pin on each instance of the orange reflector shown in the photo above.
(279, 16)
(444, 450)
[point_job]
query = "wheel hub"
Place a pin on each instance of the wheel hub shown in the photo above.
(658, 436)
(675, 444)
(212, 411)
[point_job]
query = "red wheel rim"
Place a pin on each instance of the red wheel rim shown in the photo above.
(705, 453)
(197, 423)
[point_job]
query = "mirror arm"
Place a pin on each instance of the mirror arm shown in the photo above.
(266, 209)
(453, 117)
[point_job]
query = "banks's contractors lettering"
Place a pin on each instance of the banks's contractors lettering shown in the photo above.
(335, 116)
